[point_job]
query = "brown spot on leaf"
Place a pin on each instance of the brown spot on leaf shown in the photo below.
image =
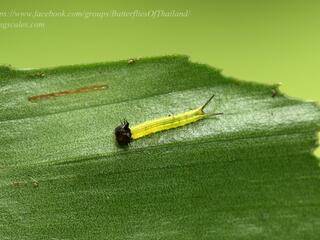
(68, 92)
(18, 184)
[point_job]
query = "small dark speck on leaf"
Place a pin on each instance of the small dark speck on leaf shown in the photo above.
(274, 93)
(264, 216)
(35, 183)
(131, 61)
(38, 75)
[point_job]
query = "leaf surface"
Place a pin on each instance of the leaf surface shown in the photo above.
(247, 174)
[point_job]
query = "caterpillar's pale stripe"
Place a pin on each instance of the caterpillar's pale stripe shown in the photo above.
(166, 123)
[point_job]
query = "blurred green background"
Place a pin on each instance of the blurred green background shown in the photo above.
(264, 41)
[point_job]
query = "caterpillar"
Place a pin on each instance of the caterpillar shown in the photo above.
(124, 135)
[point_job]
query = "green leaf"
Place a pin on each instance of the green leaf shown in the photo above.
(247, 174)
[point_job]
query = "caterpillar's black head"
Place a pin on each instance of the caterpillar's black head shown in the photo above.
(123, 133)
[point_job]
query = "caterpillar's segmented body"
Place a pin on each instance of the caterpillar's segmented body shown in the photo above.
(124, 135)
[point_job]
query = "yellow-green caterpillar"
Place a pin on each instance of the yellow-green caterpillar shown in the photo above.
(124, 135)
